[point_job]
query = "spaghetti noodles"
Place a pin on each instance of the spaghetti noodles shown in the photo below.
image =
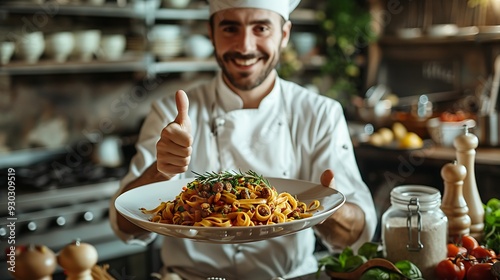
(230, 199)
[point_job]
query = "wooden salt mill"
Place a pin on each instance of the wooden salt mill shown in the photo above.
(453, 203)
(465, 146)
(77, 259)
(34, 262)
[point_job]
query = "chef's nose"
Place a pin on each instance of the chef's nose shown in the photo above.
(246, 42)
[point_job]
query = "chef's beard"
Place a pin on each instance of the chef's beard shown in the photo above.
(238, 79)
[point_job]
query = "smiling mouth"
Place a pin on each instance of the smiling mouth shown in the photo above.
(245, 62)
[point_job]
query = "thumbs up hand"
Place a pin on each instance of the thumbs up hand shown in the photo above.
(173, 150)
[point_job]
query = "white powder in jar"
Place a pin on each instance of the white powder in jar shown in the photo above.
(433, 237)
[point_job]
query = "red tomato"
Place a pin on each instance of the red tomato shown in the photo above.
(482, 253)
(460, 116)
(454, 250)
(450, 269)
(469, 242)
(469, 262)
(481, 271)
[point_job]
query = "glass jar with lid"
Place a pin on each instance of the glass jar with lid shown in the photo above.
(414, 228)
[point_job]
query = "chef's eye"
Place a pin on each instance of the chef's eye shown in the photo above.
(230, 29)
(261, 28)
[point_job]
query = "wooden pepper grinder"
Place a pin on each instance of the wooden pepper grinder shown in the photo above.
(453, 203)
(465, 146)
(34, 262)
(77, 260)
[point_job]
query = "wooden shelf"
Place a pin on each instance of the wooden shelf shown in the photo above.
(53, 8)
(129, 63)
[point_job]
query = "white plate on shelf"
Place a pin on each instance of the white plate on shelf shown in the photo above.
(150, 196)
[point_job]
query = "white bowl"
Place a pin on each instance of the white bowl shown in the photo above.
(304, 42)
(6, 51)
(60, 45)
(86, 43)
(444, 133)
(198, 46)
(165, 32)
(409, 33)
(176, 4)
(442, 30)
(112, 46)
(30, 47)
(129, 204)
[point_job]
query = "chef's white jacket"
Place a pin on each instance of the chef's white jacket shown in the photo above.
(295, 133)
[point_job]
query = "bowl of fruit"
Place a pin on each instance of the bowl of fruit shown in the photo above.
(447, 126)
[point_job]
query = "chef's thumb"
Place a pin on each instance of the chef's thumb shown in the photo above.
(182, 103)
(327, 179)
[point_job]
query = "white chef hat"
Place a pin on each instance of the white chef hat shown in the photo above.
(282, 7)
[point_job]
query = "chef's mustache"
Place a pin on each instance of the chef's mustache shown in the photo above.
(237, 55)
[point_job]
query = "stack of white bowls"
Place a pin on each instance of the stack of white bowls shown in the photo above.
(30, 47)
(59, 45)
(112, 46)
(87, 44)
(166, 41)
(6, 51)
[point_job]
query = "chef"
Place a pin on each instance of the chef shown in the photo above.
(248, 118)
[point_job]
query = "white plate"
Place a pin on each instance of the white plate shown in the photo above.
(150, 196)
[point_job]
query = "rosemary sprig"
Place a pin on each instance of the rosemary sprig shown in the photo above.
(212, 177)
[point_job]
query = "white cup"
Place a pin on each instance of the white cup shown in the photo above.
(86, 43)
(304, 42)
(112, 46)
(30, 47)
(198, 46)
(60, 45)
(6, 51)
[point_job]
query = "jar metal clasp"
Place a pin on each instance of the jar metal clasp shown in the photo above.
(414, 209)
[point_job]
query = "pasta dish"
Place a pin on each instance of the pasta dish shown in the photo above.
(230, 199)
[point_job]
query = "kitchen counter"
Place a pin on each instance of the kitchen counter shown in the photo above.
(382, 169)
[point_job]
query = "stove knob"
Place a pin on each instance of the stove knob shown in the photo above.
(88, 216)
(60, 221)
(31, 226)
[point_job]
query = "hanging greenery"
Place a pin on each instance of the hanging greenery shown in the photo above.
(346, 25)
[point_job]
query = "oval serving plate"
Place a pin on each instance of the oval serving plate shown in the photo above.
(149, 196)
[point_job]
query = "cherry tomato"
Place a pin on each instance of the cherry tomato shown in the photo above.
(454, 250)
(469, 242)
(450, 269)
(469, 262)
(481, 271)
(482, 253)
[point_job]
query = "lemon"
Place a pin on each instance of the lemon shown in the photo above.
(387, 135)
(376, 139)
(399, 130)
(411, 141)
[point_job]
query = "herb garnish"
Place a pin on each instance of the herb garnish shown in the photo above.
(234, 177)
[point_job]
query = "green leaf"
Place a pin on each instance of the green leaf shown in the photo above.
(354, 262)
(375, 274)
(409, 269)
(369, 250)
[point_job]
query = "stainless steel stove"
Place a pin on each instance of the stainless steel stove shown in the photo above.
(54, 207)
